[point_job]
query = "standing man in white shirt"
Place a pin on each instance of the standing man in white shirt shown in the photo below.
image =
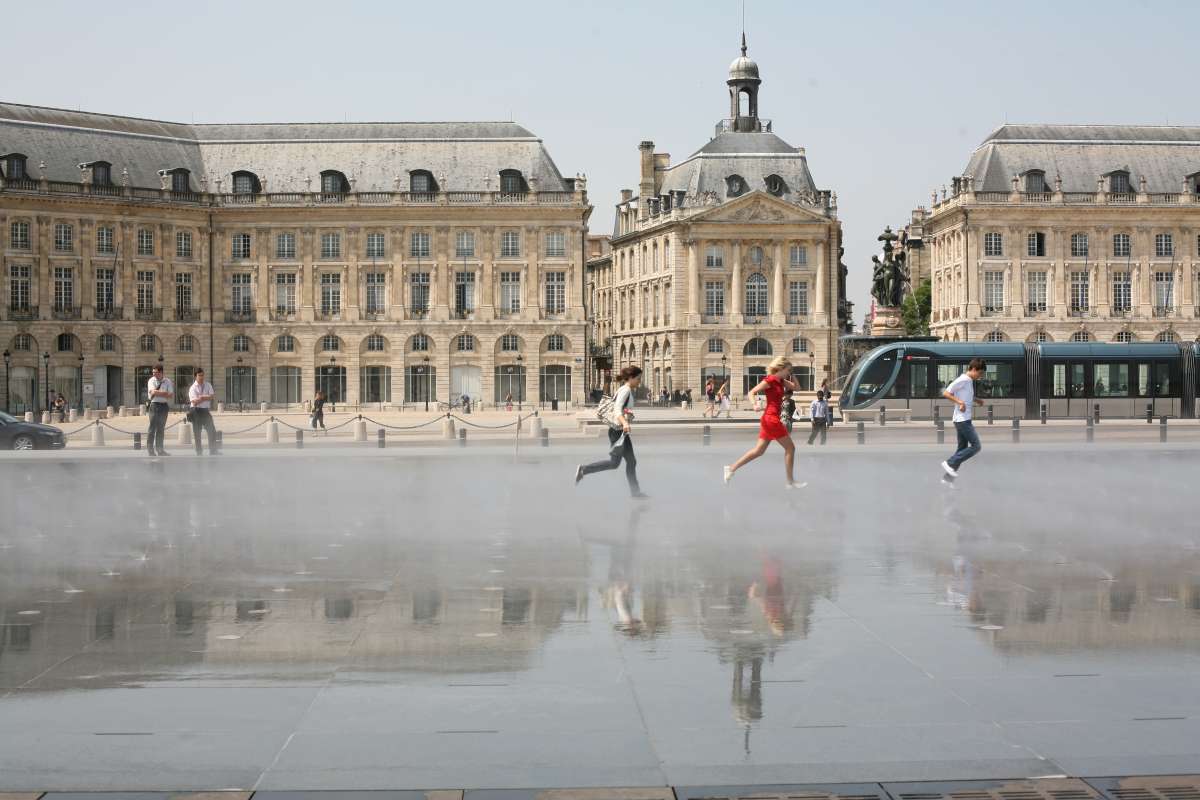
(201, 396)
(160, 390)
(961, 392)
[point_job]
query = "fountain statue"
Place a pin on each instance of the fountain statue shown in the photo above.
(889, 284)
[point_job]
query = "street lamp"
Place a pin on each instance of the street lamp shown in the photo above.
(81, 383)
(425, 369)
(330, 378)
(46, 365)
(7, 373)
(240, 372)
(521, 378)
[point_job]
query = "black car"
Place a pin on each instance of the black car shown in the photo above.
(16, 434)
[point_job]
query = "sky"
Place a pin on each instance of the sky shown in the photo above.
(888, 98)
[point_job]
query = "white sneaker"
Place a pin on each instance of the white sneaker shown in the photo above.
(728, 474)
(951, 471)
(795, 485)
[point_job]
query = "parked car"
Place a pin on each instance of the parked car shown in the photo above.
(16, 434)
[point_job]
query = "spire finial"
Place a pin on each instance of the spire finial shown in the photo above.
(743, 43)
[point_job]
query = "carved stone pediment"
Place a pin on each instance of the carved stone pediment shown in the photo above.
(760, 208)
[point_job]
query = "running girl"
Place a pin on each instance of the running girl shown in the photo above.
(771, 428)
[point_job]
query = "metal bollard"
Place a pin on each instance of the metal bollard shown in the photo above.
(1162, 429)
(382, 438)
(937, 415)
(883, 415)
(137, 441)
(1096, 413)
(941, 434)
(1045, 413)
(220, 441)
(991, 414)
(299, 440)
(862, 433)
(545, 437)
(462, 437)
(1016, 430)
(1149, 413)
(706, 436)
(1091, 430)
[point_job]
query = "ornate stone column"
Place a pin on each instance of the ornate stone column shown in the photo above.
(777, 307)
(736, 289)
(693, 281)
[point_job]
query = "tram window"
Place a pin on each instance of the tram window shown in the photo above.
(946, 373)
(1058, 381)
(1078, 381)
(997, 380)
(874, 376)
(1110, 380)
(1162, 380)
(919, 380)
(1143, 380)
(900, 387)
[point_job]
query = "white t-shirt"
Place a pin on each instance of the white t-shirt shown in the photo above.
(963, 388)
(622, 401)
(165, 385)
(198, 391)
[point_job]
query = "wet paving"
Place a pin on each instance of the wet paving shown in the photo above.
(460, 621)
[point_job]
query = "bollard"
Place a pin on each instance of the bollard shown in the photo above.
(1149, 413)
(98, 435)
(1096, 413)
(447, 428)
(937, 415)
(272, 432)
(299, 440)
(1045, 412)
(882, 415)
(706, 436)
(382, 438)
(184, 436)
(1162, 429)
(262, 408)
(360, 429)
(941, 434)
(73, 416)
(545, 438)
(991, 414)
(535, 428)
(45, 417)
(1091, 430)
(137, 440)
(862, 433)
(1016, 430)
(462, 437)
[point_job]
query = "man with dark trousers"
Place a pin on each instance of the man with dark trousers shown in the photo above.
(160, 390)
(201, 396)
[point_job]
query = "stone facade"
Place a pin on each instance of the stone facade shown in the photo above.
(1061, 233)
(375, 290)
(722, 261)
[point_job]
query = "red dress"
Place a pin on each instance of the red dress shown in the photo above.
(771, 426)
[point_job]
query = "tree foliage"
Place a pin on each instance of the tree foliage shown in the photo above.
(916, 308)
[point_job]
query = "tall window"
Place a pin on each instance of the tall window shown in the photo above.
(1035, 181)
(376, 292)
(1036, 290)
(104, 239)
(332, 183)
(375, 245)
(145, 290)
(181, 181)
(331, 245)
(183, 291)
(993, 291)
(798, 298)
(756, 295)
(714, 298)
(64, 288)
(18, 287)
(64, 237)
(104, 289)
(555, 343)
(331, 293)
(714, 256)
(419, 245)
(464, 244)
(241, 293)
(1079, 245)
(510, 343)
(1121, 245)
(285, 245)
(1122, 292)
(418, 283)
(798, 255)
(556, 245)
(183, 244)
(1080, 291)
(145, 242)
(464, 292)
(285, 293)
(511, 182)
(993, 244)
(1164, 291)
(18, 236)
(1164, 245)
(240, 245)
(510, 292)
(556, 292)
(1036, 245)
(14, 167)
(510, 244)
(1118, 183)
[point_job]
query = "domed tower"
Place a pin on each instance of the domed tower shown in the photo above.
(744, 82)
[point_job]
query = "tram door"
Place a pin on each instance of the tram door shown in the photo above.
(1066, 390)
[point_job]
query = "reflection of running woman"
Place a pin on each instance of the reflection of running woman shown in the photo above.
(771, 429)
(961, 392)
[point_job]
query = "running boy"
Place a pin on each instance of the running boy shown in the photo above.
(961, 392)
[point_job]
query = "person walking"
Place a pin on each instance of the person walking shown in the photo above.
(961, 392)
(723, 399)
(787, 411)
(60, 407)
(710, 399)
(200, 395)
(817, 414)
(828, 405)
(771, 429)
(160, 390)
(318, 412)
(620, 437)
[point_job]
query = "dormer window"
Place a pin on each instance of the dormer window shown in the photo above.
(735, 186)
(245, 182)
(14, 167)
(181, 180)
(1035, 182)
(512, 182)
(420, 181)
(1118, 183)
(101, 173)
(776, 185)
(334, 182)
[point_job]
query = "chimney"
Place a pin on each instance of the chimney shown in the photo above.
(646, 185)
(626, 195)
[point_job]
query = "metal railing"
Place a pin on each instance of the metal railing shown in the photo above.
(66, 312)
(148, 314)
(187, 314)
(22, 312)
(1035, 309)
(242, 315)
(109, 312)
(1163, 311)
(283, 314)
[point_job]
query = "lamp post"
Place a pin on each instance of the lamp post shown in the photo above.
(330, 377)
(521, 378)
(7, 378)
(160, 366)
(240, 372)
(425, 369)
(46, 369)
(724, 369)
(81, 383)
(812, 365)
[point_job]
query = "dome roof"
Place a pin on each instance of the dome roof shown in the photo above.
(743, 68)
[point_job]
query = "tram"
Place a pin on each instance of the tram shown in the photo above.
(1067, 379)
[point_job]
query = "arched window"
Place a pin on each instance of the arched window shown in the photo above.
(186, 344)
(510, 343)
(735, 186)
(757, 346)
(555, 343)
(1167, 336)
(246, 182)
(334, 182)
(421, 181)
(420, 343)
(1035, 181)
(716, 345)
(101, 173)
(330, 343)
(147, 343)
(1081, 336)
(1124, 337)
(799, 345)
(376, 343)
(66, 343)
(776, 185)
(464, 343)
(241, 344)
(107, 343)
(1040, 337)
(23, 342)
(512, 182)
(756, 295)
(285, 344)
(994, 336)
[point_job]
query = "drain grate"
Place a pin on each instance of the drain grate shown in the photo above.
(1151, 787)
(1031, 789)
(834, 791)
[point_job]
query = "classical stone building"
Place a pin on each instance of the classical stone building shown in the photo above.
(1069, 233)
(380, 262)
(721, 261)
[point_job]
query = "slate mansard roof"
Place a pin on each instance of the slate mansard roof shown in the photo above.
(466, 156)
(1082, 154)
(754, 156)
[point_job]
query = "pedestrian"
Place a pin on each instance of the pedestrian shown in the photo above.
(60, 407)
(508, 402)
(620, 437)
(787, 411)
(159, 390)
(710, 399)
(723, 399)
(771, 429)
(961, 392)
(828, 404)
(318, 412)
(664, 398)
(817, 416)
(200, 395)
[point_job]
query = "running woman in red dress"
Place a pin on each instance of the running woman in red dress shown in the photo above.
(771, 428)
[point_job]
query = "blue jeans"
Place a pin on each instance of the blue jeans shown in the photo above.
(968, 443)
